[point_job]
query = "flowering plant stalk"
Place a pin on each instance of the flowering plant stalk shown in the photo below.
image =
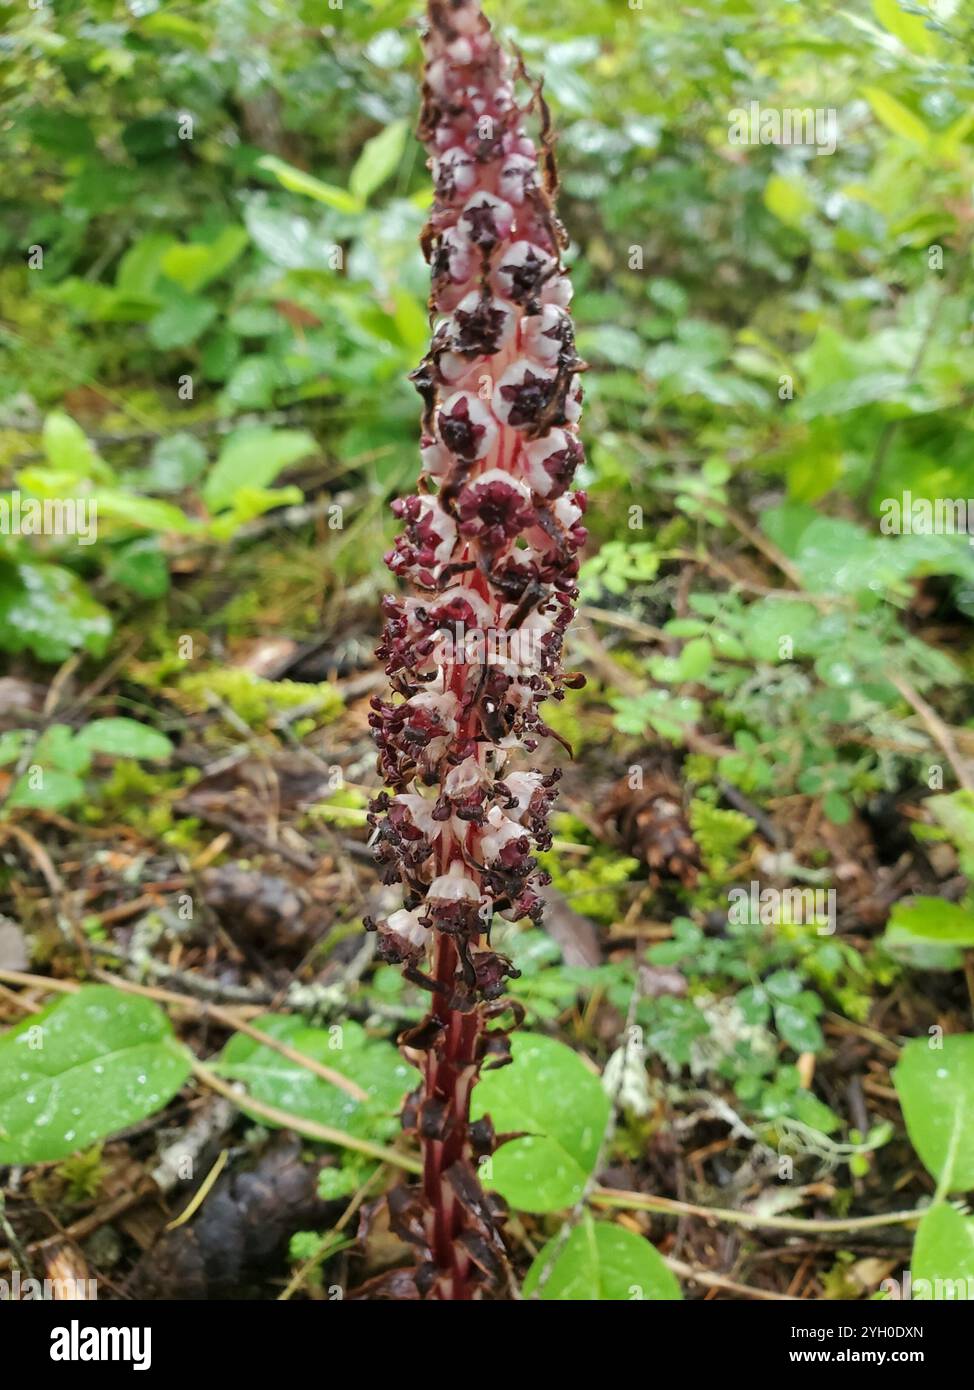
(489, 550)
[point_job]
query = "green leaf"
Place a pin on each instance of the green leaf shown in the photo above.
(287, 240)
(251, 502)
(252, 383)
(176, 461)
(943, 1255)
(252, 457)
(695, 660)
(380, 157)
(66, 446)
(46, 789)
(550, 1093)
(897, 117)
(181, 322)
(141, 567)
(797, 1028)
(602, 1262)
(147, 513)
(183, 31)
(908, 28)
(59, 747)
(955, 812)
(837, 807)
(140, 267)
(788, 200)
(92, 1064)
(125, 738)
(62, 133)
(194, 264)
(936, 1090)
(297, 181)
(376, 1066)
(46, 609)
(12, 745)
(933, 919)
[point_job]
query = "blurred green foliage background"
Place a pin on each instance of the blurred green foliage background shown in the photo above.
(212, 295)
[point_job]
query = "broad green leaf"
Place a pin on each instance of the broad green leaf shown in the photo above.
(897, 117)
(252, 457)
(549, 1093)
(182, 30)
(798, 1028)
(949, 924)
(180, 322)
(297, 181)
(140, 267)
(62, 133)
(92, 1064)
(141, 567)
(46, 789)
(936, 1090)
(252, 383)
(194, 264)
(376, 1066)
(380, 157)
(149, 513)
(943, 1256)
(695, 660)
(601, 1262)
(286, 239)
(125, 738)
(908, 28)
(176, 462)
(13, 742)
(47, 610)
(66, 446)
(955, 812)
(251, 502)
(59, 747)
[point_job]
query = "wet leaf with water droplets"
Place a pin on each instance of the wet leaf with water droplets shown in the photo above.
(91, 1064)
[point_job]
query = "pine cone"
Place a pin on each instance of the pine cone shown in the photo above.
(259, 908)
(241, 1229)
(649, 823)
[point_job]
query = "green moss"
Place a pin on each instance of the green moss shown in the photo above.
(719, 833)
(345, 808)
(253, 699)
(595, 886)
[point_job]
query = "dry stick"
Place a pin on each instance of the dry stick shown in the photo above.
(201, 1193)
(720, 1281)
(52, 878)
(84, 1226)
(767, 548)
(291, 1053)
(938, 730)
(640, 1201)
(311, 1129)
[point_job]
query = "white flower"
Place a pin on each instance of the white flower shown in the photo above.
(455, 886)
(499, 830)
(522, 786)
(405, 927)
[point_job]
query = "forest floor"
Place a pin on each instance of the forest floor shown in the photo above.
(232, 885)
